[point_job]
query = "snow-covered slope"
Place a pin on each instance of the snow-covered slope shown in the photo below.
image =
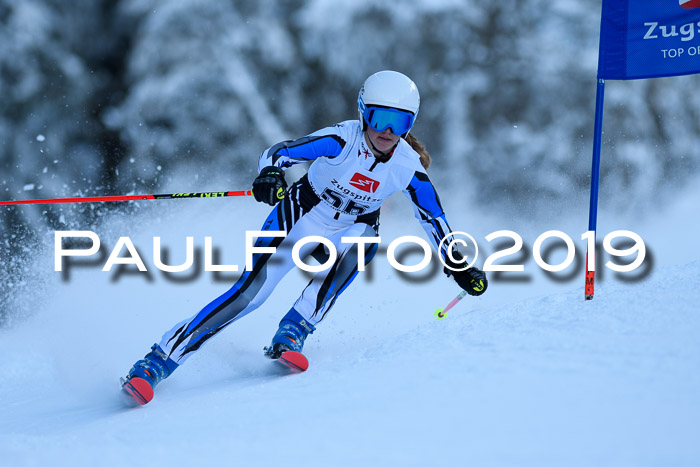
(512, 378)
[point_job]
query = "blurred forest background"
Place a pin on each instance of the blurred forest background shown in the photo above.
(142, 96)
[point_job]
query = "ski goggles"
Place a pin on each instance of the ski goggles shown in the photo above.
(381, 118)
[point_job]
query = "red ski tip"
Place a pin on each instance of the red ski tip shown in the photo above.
(139, 390)
(294, 361)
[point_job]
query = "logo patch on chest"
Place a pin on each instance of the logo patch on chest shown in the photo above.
(364, 183)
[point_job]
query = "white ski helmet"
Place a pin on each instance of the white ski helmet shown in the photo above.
(388, 99)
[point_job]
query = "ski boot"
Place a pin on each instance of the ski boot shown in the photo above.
(145, 375)
(288, 342)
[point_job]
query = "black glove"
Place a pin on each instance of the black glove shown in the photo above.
(269, 187)
(473, 280)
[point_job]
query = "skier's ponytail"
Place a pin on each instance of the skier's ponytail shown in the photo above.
(420, 149)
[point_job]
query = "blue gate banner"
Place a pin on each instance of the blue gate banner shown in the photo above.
(649, 39)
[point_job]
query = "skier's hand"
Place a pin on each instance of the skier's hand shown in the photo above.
(473, 280)
(269, 187)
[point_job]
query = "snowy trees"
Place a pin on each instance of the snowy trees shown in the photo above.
(126, 94)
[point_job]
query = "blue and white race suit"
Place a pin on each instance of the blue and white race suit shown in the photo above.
(340, 196)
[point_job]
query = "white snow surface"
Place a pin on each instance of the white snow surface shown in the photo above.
(528, 374)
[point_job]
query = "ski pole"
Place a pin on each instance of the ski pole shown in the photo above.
(441, 313)
(101, 199)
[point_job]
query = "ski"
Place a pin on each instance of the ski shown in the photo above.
(137, 390)
(295, 361)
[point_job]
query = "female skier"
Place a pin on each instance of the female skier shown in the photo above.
(357, 164)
